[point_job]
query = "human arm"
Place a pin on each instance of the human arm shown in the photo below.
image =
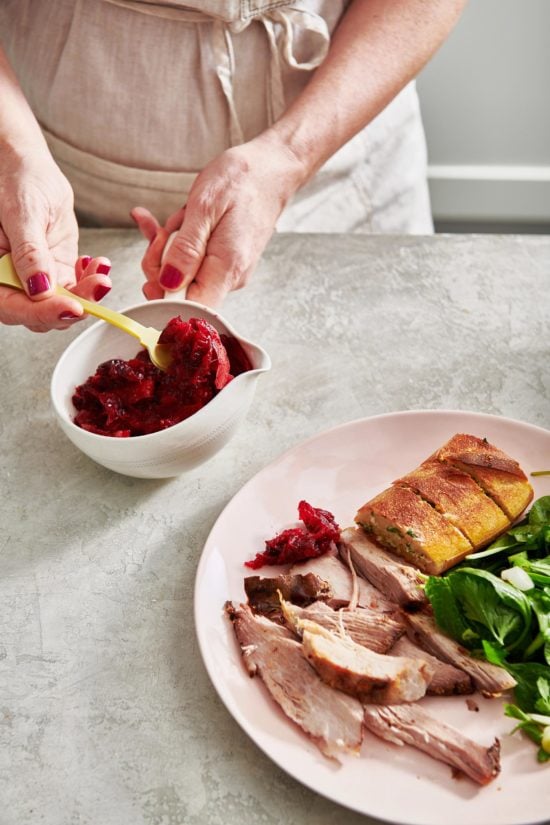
(37, 222)
(232, 208)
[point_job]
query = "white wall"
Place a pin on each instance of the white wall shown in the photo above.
(486, 104)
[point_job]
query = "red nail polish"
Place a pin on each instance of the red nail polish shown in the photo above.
(103, 269)
(38, 283)
(85, 260)
(68, 316)
(170, 277)
(101, 291)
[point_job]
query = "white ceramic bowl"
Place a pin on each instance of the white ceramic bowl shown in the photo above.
(176, 449)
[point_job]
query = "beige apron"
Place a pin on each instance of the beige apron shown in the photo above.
(135, 97)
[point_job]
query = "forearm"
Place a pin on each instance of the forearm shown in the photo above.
(378, 47)
(19, 129)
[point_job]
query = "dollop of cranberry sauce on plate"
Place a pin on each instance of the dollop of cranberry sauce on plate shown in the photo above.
(128, 398)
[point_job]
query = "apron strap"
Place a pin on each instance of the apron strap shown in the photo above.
(281, 48)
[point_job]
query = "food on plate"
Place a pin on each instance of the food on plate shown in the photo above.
(459, 499)
(352, 668)
(336, 572)
(396, 579)
(385, 634)
(264, 594)
(378, 632)
(131, 398)
(499, 475)
(332, 719)
(434, 517)
(412, 725)
(490, 679)
(316, 537)
(446, 679)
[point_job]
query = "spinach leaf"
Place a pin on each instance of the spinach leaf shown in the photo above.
(533, 730)
(447, 611)
(539, 513)
(495, 610)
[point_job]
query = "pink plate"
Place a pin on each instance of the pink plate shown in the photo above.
(339, 470)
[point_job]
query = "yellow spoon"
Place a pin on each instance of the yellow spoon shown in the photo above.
(147, 336)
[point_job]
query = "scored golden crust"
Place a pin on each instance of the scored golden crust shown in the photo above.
(402, 520)
(459, 499)
(496, 473)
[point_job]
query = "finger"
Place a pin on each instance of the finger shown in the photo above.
(146, 222)
(30, 253)
(175, 220)
(212, 282)
(98, 266)
(93, 287)
(152, 291)
(53, 313)
(186, 254)
(152, 259)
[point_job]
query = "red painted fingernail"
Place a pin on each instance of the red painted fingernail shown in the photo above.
(103, 269)
(85, 260)
(38, 283)
(101, 291)
(68, 316)
(170, 277)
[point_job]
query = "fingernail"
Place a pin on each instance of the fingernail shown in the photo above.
(85, 260)
(38, 283)
(170, 277)
(68, 316)
(101, 291)
(103, 269)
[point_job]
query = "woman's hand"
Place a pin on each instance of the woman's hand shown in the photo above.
(223, 228)
(39, 228)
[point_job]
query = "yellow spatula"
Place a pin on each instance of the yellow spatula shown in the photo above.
(147, 336)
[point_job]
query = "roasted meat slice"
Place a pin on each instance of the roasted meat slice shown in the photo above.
(399, 581)
(499, 475)
(332, 719)
(489, 679)
(356, 670)
(411, 725)
(263, 592)
(339, 577)
(400, 519)
(459, 499)
(446, 680)
(378, 632)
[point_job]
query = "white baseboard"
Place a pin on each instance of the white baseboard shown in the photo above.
(490, 193)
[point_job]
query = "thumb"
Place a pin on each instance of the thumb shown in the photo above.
(31, 257)
(187, 250)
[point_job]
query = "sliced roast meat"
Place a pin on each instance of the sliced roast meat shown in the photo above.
(399, 581)
(338, 575)
(376, 631)
(361, 672)
(332, 719)
(446, 680)
(489, 679)
(263, 592)
(411, 725)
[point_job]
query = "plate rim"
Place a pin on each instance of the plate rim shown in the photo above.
(241, 720)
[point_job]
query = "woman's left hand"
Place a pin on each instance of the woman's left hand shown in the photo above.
(224, 227)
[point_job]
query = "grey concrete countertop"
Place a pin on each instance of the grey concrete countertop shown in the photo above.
(107, 716)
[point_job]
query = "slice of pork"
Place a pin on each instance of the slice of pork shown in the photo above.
(332, 719)
(489, 679)
(336, 573)
(399, 581)
(411, 725)
(446, 680)
(377, 632)
(356, 670)
(263, 592)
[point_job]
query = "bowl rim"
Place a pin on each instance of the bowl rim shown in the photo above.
(97, 437)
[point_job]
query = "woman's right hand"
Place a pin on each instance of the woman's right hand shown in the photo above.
(38, 226)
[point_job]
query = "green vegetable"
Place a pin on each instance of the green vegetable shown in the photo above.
(507, 626)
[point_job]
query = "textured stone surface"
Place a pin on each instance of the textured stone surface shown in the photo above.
(107, 716)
